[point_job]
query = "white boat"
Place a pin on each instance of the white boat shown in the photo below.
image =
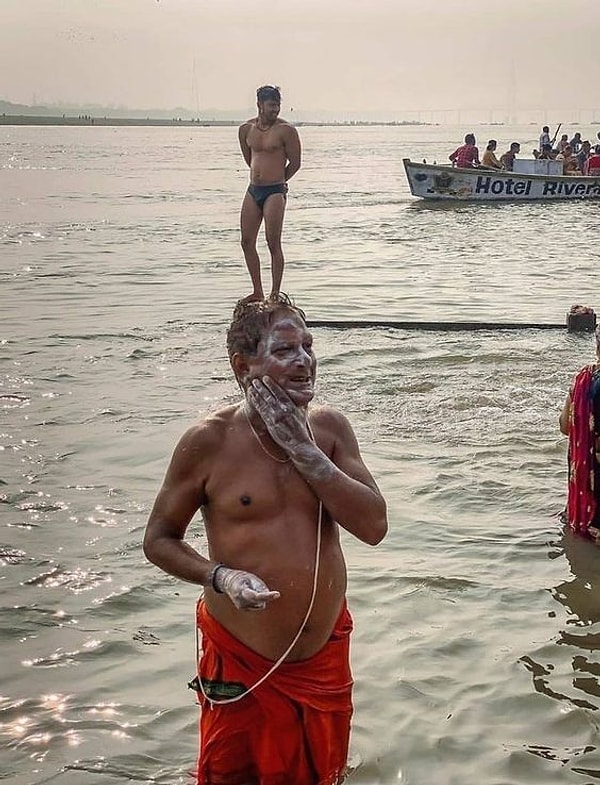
(532, 179)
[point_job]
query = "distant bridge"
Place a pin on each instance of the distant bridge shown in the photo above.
(512, 116)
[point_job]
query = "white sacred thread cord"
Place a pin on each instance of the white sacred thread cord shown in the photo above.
(313, 595)
(259, 440)
(275, 665)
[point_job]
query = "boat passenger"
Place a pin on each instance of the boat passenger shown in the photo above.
(547, 153)
(576, 142)
(568, 160)
(545, 137)
(489, 156)
(564, 141)
(508, 158)
(583, 155)
(592, 165)
(467, 155)
(580, 421)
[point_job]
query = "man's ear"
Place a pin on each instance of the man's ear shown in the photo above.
(240, 367)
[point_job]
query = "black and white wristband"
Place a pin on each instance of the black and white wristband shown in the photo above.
(211, 578)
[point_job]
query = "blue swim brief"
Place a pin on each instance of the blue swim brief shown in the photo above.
(260, 193)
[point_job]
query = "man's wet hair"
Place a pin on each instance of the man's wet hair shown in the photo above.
(268, 93)
(251, 320)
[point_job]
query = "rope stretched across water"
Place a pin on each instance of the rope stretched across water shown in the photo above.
(438, 326)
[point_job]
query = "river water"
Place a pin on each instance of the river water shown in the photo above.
(477, 645)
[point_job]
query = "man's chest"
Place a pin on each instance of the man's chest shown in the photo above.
(270, 141)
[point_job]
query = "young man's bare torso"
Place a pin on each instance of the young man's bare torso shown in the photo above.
(268, 156)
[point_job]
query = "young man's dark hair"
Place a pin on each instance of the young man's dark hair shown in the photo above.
(268, 93)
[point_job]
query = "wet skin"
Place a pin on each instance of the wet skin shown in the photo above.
(259, 493)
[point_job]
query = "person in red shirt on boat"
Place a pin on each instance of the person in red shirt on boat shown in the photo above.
(467, 155)
(274, 480)
(592, 165)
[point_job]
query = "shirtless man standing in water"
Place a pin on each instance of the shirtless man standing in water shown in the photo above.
(271, 148)
(274, 481)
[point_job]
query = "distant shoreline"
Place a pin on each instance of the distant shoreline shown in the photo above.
(88, 120)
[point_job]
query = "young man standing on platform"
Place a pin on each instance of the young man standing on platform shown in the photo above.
(271, 148)
(274, 481)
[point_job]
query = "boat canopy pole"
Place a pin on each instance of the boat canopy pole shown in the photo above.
(558, 127)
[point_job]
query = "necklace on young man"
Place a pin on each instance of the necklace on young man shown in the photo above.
(259, 440)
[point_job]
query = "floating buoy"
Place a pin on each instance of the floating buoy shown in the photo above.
(581, 318)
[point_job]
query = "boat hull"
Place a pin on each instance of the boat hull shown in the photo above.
(432, 181)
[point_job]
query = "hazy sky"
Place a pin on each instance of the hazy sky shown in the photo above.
(337, 55)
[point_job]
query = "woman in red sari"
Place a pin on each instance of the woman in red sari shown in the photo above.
(580, 421)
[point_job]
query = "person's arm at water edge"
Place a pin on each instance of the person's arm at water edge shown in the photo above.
(244, 147)
(293, 151)
(563, 420)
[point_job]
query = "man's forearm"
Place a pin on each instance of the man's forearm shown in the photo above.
(290, 171)
(179, 559)
(357, 507)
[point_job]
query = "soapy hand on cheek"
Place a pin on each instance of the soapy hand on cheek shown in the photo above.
(285, 422)
(288, 427)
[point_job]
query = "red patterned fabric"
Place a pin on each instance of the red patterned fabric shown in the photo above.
(581, 501)
(292, 730)
(593, 165)
(465, 157)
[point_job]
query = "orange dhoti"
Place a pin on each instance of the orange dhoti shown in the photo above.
(292, 730)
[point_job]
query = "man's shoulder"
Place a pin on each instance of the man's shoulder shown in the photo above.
(209, 430)
(286, 126)
(332, 429)
(328, 417)
(247, 124)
